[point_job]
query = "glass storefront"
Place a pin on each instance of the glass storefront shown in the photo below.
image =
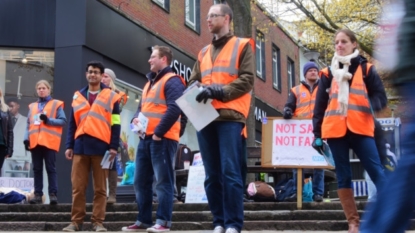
(20, 69)
(129, 140)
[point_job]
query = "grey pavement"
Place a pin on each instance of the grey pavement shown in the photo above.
(207, 231)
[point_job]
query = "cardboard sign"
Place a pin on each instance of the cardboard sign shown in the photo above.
(195, 191)
(289, 142)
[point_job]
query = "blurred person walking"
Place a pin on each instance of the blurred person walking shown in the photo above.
(226, 70)
(395, 202)
(43, 135)
(347, 93)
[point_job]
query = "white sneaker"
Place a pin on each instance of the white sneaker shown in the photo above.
(219, 229)
(231, 230)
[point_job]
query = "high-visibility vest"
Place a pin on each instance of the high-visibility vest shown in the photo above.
(43, 134)
(94, 120)
(123, 97)
(305, 101)
(154, 106)
(359, 119)
(224, 70)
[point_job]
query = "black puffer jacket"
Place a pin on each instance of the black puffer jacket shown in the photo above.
(7, 126)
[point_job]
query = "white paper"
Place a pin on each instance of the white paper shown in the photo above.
(199, 114)
(141, 127)
(195, 190)
(106, 163)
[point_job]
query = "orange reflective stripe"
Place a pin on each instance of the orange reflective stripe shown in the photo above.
(43, 134)
(154, 106)
(224, 70)
(95, 120)
(359, 117)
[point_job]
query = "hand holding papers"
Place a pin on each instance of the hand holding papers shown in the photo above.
(199, 114)
(106, 163)
(139, 125)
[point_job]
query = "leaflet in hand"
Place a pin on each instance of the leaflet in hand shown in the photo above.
(141, 127)
(106, 163)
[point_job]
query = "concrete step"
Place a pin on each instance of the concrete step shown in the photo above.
(181, 216)
(248, 206)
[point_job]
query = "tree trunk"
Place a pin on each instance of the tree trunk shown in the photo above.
(242, 27)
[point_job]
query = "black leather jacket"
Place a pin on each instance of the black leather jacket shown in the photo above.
(7, 127)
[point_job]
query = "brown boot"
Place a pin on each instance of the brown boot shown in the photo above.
(349, 207)
(112, 184)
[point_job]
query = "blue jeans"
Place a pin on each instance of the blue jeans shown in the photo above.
(365, 149)
(40, 153)
(154, 158)
(395, 202)
(223, 157)
(318, 181)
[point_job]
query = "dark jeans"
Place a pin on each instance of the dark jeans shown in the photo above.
(223, 156)
(154, 158)
(365, 149)
(40, 154)
(318, 181)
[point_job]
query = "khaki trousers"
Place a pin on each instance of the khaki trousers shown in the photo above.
(81, 167)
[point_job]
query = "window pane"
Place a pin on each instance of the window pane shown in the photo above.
(20, 70)
(190, 12)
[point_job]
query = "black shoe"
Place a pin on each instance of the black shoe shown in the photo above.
(36, 200)
(317, 198)
(53, 199)
(292, 198)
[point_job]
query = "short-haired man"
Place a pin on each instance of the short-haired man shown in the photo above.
(94, 128)
(19, 127)
(226, 69)
(156, 152)
(300, 103)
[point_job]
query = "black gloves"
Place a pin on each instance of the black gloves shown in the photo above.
(26, 144)
(44, 118)
(288, 113)
(213, 91)
(318, 145)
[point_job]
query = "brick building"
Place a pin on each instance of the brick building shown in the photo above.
(54, 40)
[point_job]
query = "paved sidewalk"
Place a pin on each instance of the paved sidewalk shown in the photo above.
(207, 231)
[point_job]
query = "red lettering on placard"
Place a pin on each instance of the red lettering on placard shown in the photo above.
(285, 140)
(285, 128)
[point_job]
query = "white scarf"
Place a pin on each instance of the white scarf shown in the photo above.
(342, 77)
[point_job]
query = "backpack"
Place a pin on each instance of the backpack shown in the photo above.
(284, 189)
(261, 191)
(183, 153)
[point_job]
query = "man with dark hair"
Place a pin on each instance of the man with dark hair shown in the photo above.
(226, 70)
(19, 127)
(156, 152)
(94, 128)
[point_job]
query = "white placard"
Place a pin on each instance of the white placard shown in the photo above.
(25, 184)
(199, 114)
(291, 144)
(195, 190)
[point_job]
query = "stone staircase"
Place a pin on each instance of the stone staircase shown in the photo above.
(258, 216)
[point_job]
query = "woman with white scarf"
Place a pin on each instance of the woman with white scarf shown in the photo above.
(343, 115)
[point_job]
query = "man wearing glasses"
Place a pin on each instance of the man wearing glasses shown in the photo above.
(94, 128)
(226, 69)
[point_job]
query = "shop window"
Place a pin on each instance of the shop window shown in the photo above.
(260, 55)
(192, 8)
(276, 74)
(290, 73)
(165, 4)
(20, 70)
(129, 140)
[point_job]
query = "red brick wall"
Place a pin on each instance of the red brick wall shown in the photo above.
(171, 27)
(168, 25)
(274, 35)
